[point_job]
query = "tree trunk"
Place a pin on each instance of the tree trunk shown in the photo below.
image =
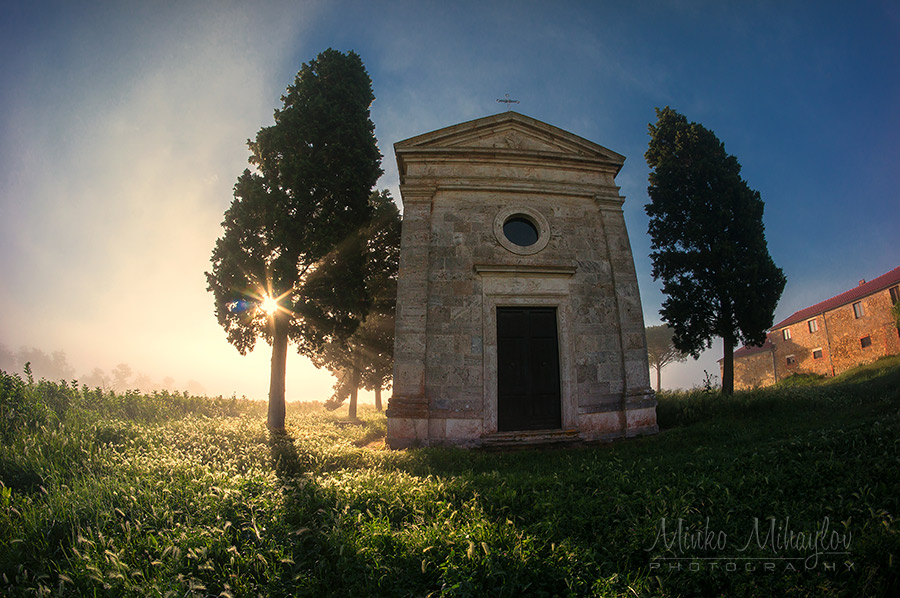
(658, 376)
(354, 390)
(728, 366)
(378, 398)
(275, 421)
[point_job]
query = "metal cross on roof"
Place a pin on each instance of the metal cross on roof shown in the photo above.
(508, 102)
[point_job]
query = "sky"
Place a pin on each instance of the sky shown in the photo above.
(123, 128)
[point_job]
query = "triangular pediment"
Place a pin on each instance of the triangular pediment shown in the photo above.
(508, 132)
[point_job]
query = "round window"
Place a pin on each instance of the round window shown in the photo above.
(520, 231)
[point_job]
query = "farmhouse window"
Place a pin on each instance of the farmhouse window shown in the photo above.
(786, 334)
(813, 325)
(865, 341)
(895, 294)
(817, 354)
(858, 309)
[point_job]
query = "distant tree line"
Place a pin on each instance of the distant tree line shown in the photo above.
(55, 367)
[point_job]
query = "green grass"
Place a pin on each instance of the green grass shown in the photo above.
(133, 495)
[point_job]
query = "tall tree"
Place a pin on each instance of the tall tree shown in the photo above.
(365, 359)
(661, 351)
(708, 242)
(285, 267)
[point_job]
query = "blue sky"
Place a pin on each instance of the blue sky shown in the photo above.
(123, 129)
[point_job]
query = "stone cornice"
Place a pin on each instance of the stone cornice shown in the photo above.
(607, 197)
(417, 192)
(516, 157)
(525, 270)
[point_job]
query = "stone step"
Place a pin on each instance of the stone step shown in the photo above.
(527, 439)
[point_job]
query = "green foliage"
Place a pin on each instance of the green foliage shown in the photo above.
(805, 396)
(29, 405)
(366, 357)
(878, 373)
(21, 405)
(805, 379)
(310, 194)
(708, 241)
(207, 506)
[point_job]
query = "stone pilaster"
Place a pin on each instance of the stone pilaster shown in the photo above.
(638, 406)
(407, 409)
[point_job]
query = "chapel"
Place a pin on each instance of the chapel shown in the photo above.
(518, 312)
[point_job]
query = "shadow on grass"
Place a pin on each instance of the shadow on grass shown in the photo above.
(375, 433)
(325, 544)
(285, 458)
(580, 521)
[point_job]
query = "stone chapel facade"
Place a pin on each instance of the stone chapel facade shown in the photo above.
(518, 311)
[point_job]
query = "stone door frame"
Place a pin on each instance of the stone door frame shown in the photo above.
(517, 286)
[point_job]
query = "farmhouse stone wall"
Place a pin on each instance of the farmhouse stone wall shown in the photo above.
(756, 370)
(847, 332)
(458, 186)
(798, 354)
(826, 341)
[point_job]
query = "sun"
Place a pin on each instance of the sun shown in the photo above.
(269, 305)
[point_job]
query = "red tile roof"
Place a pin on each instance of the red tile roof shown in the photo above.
(864, 289)
(747, 351)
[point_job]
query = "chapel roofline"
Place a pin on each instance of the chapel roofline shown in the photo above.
(462, 138)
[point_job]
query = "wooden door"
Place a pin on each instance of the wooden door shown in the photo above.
(528, 395)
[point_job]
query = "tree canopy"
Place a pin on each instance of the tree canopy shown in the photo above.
(365, 359)
(288, 266)
(661, 351)
(708, 243)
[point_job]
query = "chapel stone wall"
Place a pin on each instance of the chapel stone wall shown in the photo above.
(456, 270)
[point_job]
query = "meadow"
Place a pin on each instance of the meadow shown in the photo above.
(790, 491)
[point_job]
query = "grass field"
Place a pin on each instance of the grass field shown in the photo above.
(791, 491)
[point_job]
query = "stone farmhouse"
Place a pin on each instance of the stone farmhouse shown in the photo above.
(827, 338)
(518, 313)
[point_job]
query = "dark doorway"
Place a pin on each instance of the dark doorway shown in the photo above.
(527, 369)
